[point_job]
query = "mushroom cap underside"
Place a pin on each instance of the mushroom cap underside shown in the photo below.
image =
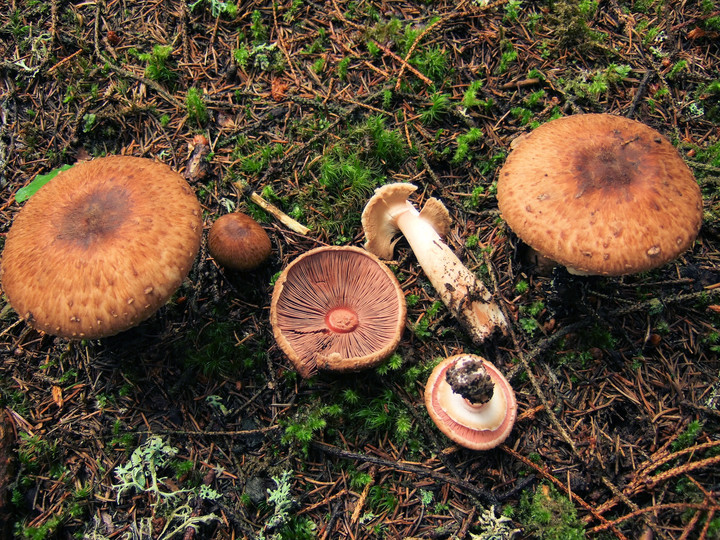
(238, 242)
(381, 211)
(474, 439)
(378, 217)
(601, 194)
(101, 247)
(337, 308)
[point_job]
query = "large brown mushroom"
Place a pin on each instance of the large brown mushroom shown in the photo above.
(471, 402)
(337, 308)
(101, 247)
(600, 194)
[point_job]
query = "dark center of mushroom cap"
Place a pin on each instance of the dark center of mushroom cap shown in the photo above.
(611, 166)
(237, 230)
(95, 216)
(342, 320)
(469, 378)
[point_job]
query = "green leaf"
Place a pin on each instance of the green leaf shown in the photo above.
(23, 194)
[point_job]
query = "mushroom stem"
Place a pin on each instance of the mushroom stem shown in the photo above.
(465, 296)
(469, 378)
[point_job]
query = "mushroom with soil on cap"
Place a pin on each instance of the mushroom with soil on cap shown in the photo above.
(337, 308)
(600, 194)
(471, 401)
(467, 298)
(101, 247)
(238, 242)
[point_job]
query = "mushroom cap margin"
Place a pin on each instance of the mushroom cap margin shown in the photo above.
(378, 217)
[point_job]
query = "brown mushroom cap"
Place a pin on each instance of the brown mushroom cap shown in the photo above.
(101, 247)
(600, 194)
(238, 242)
(337, 308)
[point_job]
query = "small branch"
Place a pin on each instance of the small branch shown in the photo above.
(484, 496)
(404, 62)
(281, 216)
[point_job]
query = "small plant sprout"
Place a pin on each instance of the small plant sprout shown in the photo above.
(196, 108)
(157, 64)
(228, 204)
(466, 297)
(217, 7)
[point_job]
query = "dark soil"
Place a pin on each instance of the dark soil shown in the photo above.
(312, 106)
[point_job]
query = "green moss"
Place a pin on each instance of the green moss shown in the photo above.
(548, 515)
(196, 108)
(158, 64)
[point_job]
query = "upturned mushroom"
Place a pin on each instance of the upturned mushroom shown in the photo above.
(337, 308)
(238, 242)
(467, 298)
(600, 194)
(471, 402)
(101, 247)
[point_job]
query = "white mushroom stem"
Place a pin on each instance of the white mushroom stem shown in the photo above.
(465, 296)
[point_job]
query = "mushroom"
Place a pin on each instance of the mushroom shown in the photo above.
(238, 242)
(101, 247)
(600, 194)
(337, 308)
(466, 297)
(471, 402)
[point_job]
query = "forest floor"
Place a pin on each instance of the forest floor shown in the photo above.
(311, 106)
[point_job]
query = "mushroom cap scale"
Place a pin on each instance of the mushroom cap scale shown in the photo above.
(460, 425)
(101, 247)
(238, 242)
(600, 194)
(337, 308)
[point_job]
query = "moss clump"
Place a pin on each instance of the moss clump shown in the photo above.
(572, 29)
(550, 516)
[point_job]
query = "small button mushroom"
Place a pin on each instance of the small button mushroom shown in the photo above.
(471, 401)
(337, 308)
(467, 298)
(238, 242)
(600, 194)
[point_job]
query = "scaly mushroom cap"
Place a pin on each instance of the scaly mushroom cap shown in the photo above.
(600, 194)
(238, 242)
(475, 427)
(337, 308)
(101, 247)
